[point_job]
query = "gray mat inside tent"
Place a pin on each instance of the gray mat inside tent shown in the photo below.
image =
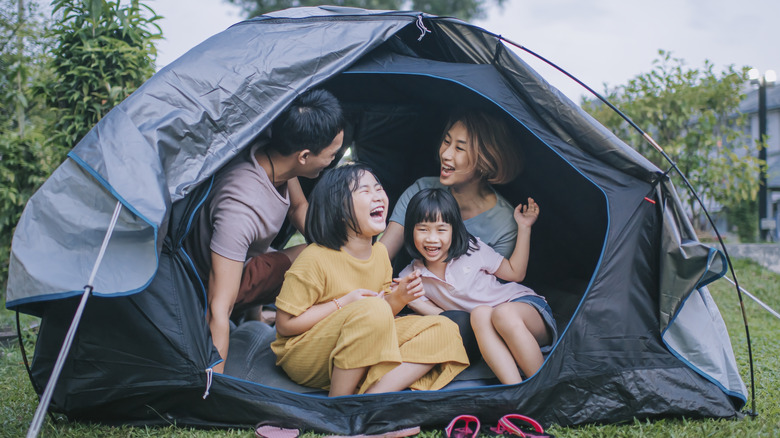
(250, 358)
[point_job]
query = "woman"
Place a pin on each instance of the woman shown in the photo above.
(477, 150)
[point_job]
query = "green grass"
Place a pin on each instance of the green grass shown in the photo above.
(18, 401)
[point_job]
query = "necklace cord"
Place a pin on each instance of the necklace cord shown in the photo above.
(273, 172)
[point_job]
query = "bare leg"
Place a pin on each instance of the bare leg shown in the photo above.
(400, 377)
(495, 352)
(523, 330)
(345, 382)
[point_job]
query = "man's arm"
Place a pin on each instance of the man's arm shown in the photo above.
(224, 281)
(298, 204)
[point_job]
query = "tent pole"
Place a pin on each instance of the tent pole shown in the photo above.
(43, 405)
(657, 147)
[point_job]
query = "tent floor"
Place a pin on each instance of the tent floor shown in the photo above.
(250, 358)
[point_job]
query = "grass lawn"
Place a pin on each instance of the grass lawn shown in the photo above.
(18, 401)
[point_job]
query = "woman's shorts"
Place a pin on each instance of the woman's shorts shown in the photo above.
(544, 309)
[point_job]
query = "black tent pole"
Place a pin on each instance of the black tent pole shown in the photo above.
(43, 405)
(655, 145)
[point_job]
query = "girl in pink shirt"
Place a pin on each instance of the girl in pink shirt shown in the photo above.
(511, 322)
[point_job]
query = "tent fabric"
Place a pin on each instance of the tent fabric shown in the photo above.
(175, 131)
(613, 251)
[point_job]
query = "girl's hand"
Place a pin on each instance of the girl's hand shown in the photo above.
(357, 294)
(525, 215)
(409, 288)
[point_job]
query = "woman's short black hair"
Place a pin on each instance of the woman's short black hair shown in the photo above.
(331, 213)
(432, 205)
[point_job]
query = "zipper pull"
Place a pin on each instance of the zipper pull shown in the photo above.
(209, 376)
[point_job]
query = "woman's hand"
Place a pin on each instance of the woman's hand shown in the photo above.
(525, 215)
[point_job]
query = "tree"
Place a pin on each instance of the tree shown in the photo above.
(104, 51)
(693, 115)
(57, 81)
(463, 9)
(25, 159)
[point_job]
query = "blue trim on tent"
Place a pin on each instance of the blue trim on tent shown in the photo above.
(195, 211)
(200, 281)
(706, 376)
(186, 255)
(701, 283)
(127, 205)
(69, 294)
(606, 198)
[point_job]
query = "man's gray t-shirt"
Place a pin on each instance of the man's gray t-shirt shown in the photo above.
(242, 215)
(495, 227)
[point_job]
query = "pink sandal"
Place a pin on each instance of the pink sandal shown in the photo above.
(263, 430)
(463, 432)
(507, 427)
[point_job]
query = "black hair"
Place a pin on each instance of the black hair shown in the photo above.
(311, 122)
(432, 205)
(331, 213)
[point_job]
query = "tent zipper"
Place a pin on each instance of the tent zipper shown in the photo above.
(209, 376)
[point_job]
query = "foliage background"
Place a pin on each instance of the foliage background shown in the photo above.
(692, 113)
(26, 156)
(59, 76)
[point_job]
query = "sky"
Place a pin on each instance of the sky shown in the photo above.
(598, 41)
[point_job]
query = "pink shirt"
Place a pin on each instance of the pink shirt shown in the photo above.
(469, 281)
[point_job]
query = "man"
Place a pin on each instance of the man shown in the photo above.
(251, 197)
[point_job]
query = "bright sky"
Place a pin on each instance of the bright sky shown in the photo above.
(597, 41)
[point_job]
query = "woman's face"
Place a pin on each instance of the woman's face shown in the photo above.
(456, 156)
(433, 240)
(369, 202)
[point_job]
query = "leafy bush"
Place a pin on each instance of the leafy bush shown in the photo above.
(104, 52)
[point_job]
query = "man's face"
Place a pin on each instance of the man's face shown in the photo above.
(315, 164)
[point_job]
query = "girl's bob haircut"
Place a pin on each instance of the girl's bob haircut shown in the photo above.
(496, 154)
(331, 213)
(433, 205)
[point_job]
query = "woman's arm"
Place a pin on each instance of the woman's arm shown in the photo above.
(289, 325)
(393, 238)
(514, 268)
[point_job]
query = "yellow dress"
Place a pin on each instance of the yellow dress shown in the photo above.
(364, 333)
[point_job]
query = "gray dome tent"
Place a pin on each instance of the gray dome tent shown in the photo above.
(614, 253)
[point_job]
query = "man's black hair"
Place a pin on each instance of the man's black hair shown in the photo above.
(331, 213)
(311, 122)
(432, 205)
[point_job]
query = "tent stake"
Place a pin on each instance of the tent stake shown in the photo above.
(754, 298)
(43, 405)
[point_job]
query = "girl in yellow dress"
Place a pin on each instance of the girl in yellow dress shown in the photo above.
(336, 325)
